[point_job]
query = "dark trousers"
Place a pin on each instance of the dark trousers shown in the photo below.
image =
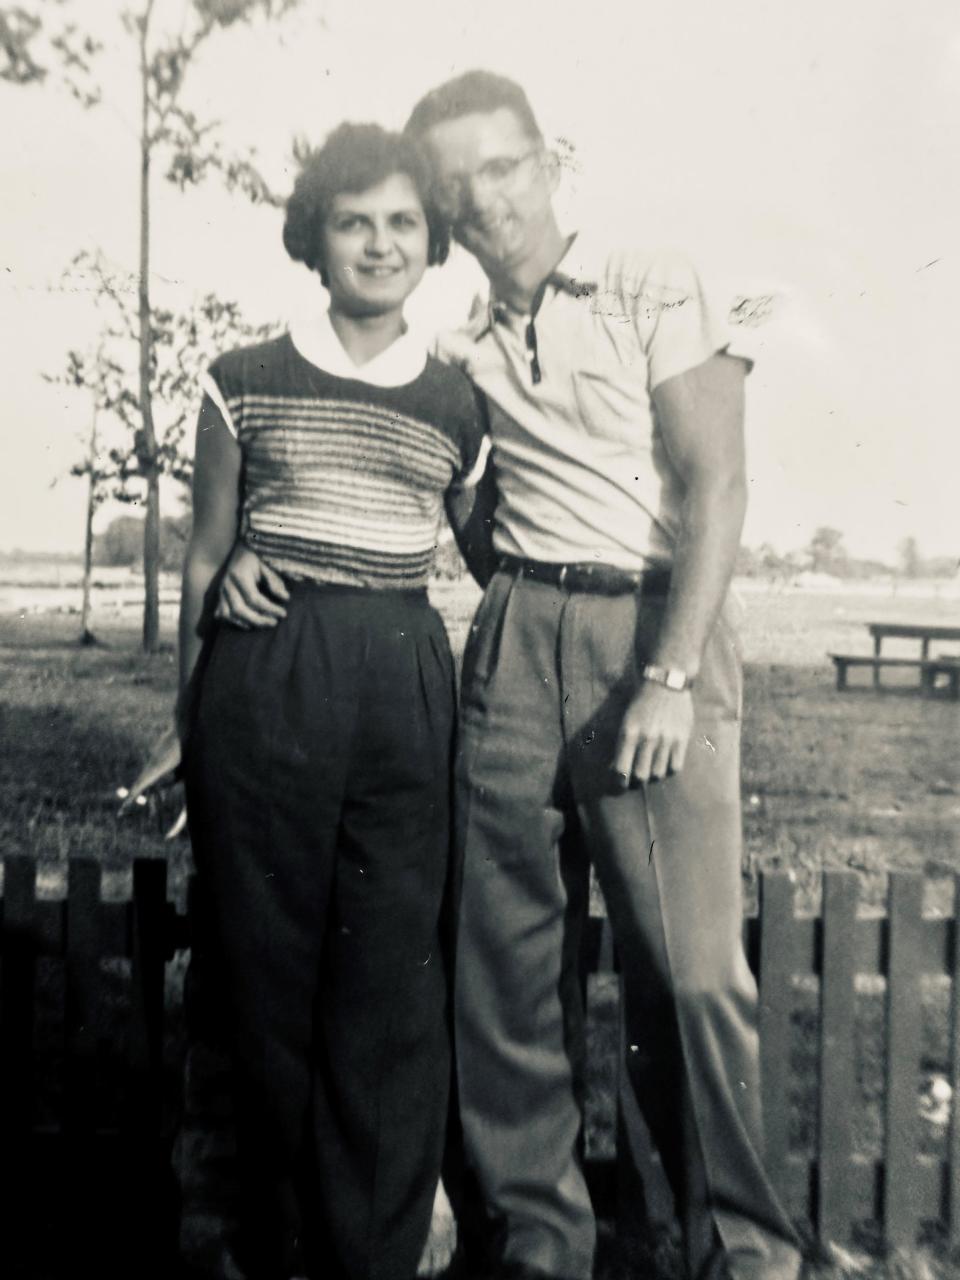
(547, 677)
(318, 795)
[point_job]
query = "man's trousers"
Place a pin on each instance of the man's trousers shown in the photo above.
(318, 790)
(547, 677)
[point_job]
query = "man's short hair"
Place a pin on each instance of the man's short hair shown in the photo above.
(474, 92)
(354, 158)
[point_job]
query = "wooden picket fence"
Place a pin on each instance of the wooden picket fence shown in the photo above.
(831, 957)
(842, 960)
(86, 1181)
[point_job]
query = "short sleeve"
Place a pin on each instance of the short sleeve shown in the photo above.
(678, 325)
(218, 384)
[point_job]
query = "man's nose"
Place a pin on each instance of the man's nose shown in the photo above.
(477, 193)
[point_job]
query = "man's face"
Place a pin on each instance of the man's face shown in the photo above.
(495, 182)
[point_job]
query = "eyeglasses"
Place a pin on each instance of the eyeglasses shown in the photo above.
(496, 174)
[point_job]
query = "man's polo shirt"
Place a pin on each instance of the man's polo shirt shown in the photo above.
(582, 471)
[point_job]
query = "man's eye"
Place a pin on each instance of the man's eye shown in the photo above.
(499, 168)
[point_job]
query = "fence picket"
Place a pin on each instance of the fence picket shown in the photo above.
(83, 1168)
(149, 946)
(17, 1097)
(901, 1106)
(953, 1149)
(151, 1198)
(81, 997)
(17, 983)
(776, 921)
(837, 1066)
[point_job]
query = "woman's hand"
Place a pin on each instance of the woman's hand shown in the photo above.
(251, 593)
(160, 770)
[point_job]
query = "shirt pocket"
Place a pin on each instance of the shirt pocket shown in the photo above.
(611, 405)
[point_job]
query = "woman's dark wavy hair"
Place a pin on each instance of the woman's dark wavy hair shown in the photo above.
(355, 157)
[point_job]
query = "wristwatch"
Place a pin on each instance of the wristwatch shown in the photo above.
(670, 677)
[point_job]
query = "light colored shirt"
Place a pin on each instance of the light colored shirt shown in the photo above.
(581, 466)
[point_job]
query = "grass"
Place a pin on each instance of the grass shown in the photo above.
(830, 780)
(852, 780)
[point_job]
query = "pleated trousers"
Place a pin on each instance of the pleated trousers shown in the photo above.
(318, 789)
(547, 678)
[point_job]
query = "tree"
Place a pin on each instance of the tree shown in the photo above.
(911, 565)
(827, 552)
(772, 563)
(182, 345)
(121, 543)
(81, 373)
(91, 467)
(165, 127)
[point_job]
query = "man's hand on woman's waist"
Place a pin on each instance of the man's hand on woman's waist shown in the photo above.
(251, 593)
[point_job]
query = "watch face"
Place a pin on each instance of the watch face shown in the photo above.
(675, 680)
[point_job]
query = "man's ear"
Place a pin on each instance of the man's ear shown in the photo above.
(551, 169)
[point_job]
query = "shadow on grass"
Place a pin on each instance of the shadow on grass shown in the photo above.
(59, 774)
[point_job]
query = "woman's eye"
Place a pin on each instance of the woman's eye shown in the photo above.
(406, 221)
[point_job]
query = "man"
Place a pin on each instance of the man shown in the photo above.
(601, 699)
(601, 694)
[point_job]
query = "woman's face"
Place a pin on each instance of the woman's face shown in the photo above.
(375, 247)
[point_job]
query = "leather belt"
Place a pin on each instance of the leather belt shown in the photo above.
(586, 576)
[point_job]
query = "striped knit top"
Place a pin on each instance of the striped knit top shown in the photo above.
(344, 478)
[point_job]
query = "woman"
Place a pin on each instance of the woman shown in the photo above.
(317, 752)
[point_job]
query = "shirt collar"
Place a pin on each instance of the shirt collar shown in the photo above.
(316, 340)
(575, 274)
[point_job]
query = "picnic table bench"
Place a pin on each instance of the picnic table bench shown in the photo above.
(946, 664)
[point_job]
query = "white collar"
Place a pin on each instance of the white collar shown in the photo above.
(402, 362)
(577, 273)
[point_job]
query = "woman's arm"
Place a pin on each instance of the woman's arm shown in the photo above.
(216, 517)
(216, 505)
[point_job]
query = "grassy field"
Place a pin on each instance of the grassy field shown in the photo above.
(853, 780)
(858, 780)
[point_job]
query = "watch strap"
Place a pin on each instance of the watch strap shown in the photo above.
(669, 677)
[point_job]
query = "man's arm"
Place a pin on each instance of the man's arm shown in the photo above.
(251, 593)
(700, 414)
(470, 513)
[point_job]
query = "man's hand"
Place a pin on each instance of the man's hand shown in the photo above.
(654, 735)
(251, 593)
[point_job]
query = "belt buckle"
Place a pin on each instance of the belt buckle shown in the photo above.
(563, 575)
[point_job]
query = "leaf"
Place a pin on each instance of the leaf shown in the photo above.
(18, 30)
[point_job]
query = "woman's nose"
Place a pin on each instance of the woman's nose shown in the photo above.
(379, 239)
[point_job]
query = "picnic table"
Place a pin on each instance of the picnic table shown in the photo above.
(929, 668)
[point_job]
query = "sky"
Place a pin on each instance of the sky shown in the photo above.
(810, 153)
